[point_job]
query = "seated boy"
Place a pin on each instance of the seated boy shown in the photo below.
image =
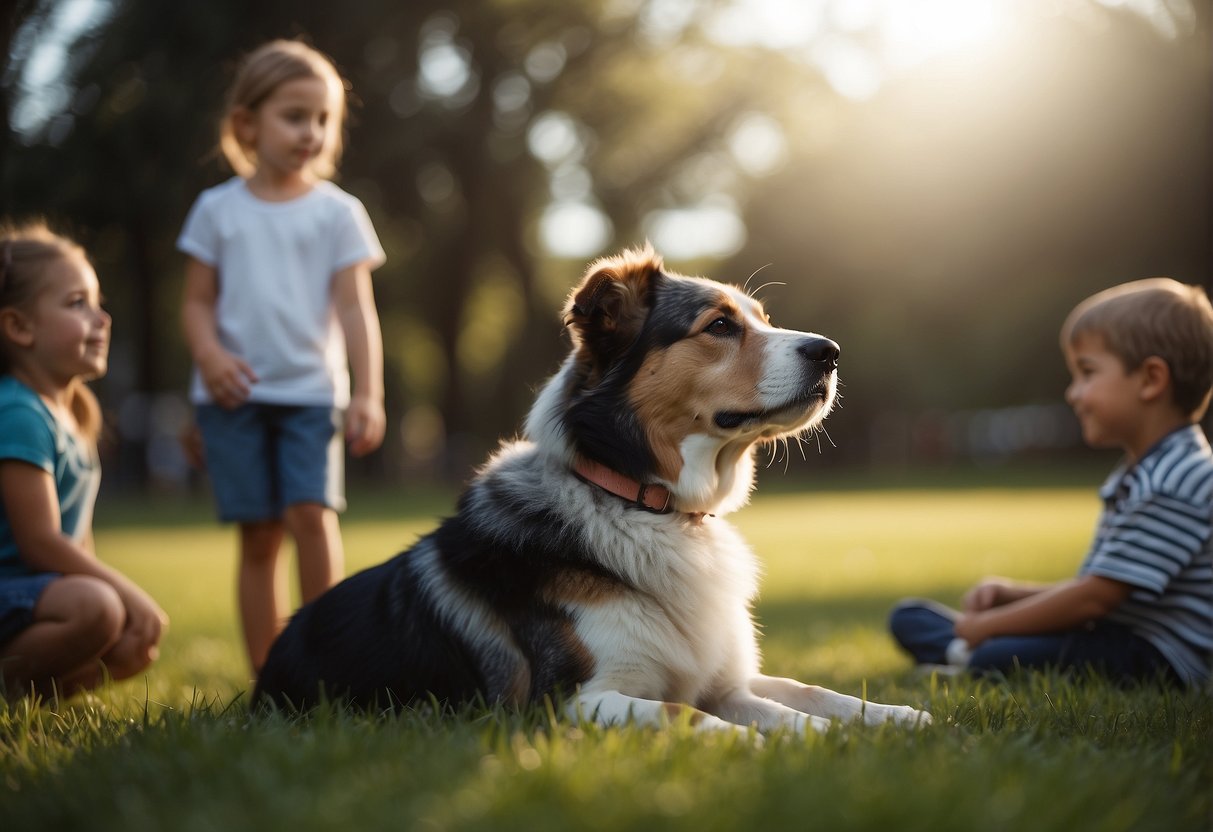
(1141, 607)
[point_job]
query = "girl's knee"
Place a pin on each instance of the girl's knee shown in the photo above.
(89, 605)
(314, 517)
(259, 542)
(313, 524)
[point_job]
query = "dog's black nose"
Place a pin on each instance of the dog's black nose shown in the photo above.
(820, 349)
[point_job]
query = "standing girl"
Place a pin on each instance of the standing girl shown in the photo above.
(66, 619)
(278, 308)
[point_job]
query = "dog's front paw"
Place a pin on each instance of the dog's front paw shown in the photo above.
(807, 722)
(875, 714)
(708, 722)
(905, 715)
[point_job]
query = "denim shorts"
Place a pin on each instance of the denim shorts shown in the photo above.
(262, 458)
(19, 595)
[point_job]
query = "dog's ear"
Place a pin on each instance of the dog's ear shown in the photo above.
(610, 306)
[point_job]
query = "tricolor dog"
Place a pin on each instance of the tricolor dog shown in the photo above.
(590, 559)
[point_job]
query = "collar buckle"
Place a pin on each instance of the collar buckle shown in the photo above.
(642, 501)
(648, 495)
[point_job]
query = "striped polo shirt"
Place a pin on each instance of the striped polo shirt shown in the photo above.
(1154, 535)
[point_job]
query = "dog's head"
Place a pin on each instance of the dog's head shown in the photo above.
(675, 379)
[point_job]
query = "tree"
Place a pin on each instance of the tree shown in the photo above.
(1013, 193)
(441, 160)
(19, 15)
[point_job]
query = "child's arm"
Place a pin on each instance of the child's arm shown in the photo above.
(1062, 606)
(32, 506)
(227, 377)
(355, 302)
(994, 592)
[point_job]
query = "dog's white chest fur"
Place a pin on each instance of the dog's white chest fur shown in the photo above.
(687, 624)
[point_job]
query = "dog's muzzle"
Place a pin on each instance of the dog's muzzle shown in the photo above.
(821, 357)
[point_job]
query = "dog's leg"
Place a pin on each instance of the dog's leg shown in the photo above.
(614, 708)
(822, 702)
(767, 714)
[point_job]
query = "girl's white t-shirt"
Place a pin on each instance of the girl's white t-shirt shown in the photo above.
(275, 263)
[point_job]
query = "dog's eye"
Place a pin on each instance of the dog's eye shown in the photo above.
(720, 326)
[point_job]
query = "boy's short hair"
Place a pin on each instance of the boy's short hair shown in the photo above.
(1154, 317)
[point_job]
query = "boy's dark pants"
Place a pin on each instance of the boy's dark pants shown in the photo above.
(924, 630)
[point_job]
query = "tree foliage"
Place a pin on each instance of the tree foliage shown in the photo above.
(940, 236)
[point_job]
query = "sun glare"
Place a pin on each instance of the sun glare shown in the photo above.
(857, 43)
(913, 32)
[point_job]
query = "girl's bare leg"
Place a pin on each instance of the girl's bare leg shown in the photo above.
(317, 535)
(77, 621)
(261, 588)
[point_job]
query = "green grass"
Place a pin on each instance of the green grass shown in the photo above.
(176, 750)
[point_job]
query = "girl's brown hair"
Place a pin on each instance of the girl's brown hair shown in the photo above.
(263, 71)
(25, 253)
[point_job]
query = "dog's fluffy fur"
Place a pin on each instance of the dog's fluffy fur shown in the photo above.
(545, 584)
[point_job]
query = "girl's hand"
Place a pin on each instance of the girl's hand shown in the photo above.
(365, 423)
(145, 621)
(227, 378)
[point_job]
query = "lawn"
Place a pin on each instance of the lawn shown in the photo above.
(176, 750)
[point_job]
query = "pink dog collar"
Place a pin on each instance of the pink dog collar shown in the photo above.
(652, 496)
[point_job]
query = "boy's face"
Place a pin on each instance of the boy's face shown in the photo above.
(1105, 395)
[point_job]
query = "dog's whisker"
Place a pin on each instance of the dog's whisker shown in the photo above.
(745, 286)
(800, 445)
(829, 438)
(765, 285)
(778, 445)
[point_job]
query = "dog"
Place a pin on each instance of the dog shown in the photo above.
(588, 560)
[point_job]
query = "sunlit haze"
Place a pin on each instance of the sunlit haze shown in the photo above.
(858, 48)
